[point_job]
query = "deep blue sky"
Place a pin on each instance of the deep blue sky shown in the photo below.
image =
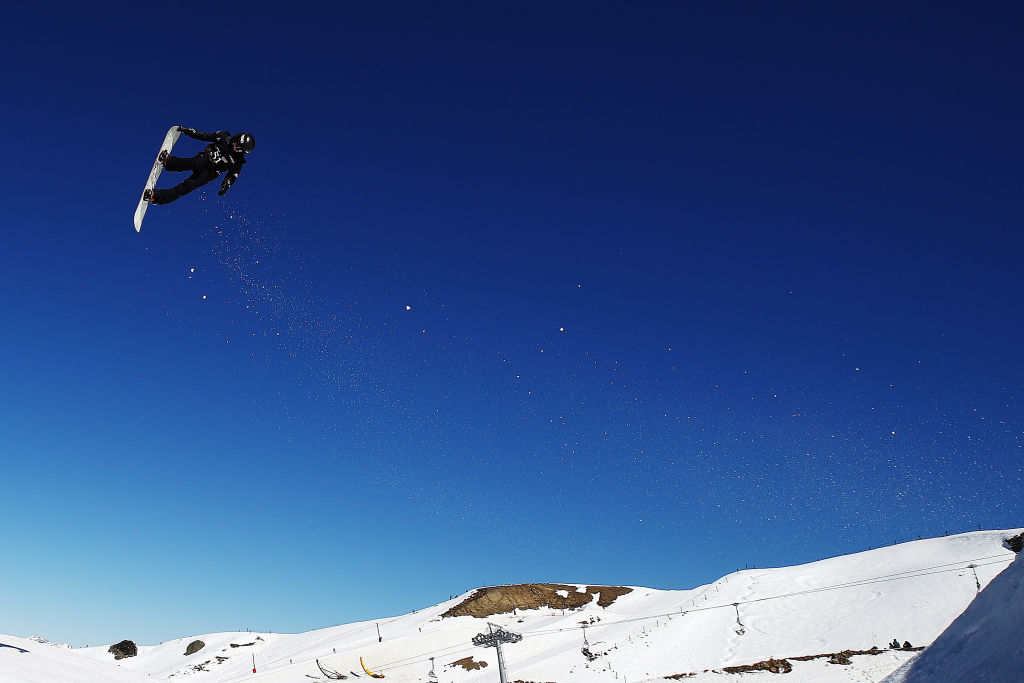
(634, 293)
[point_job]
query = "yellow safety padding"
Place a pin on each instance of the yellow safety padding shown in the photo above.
(370, 673)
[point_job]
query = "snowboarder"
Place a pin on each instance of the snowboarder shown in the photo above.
(226, 152)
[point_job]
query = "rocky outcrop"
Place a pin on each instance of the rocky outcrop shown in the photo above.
(503, 599)
(125, 648)
(776, 666)
(194, 647)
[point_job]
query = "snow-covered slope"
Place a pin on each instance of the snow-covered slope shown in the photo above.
(985, 643)
(912, 591)
(28, 661)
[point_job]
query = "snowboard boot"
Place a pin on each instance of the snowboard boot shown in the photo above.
(163, 157)
(148, 195)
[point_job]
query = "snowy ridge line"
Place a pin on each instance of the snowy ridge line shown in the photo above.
(865, 582)
(917, 573)
(924, 571)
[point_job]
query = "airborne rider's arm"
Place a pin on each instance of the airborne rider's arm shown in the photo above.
(200, 135)
(229, 179)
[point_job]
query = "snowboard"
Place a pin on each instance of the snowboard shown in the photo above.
(154, 175)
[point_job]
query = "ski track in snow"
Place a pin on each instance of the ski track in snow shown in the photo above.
(737, 631)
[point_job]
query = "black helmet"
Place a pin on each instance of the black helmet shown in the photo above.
(245, 141)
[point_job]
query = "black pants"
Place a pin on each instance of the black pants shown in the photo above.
(202, 173)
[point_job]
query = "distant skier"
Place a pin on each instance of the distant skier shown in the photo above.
(226, 152)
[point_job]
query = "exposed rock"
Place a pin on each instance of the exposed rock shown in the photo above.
(194, 647)
(776, 666)
(486, 602)
(125, 648)
(782, 666)
(44, 641)
(1015, 543)
(208, 662)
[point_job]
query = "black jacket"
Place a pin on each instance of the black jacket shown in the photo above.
(222, 155)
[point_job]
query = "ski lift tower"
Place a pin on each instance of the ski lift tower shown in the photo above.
(495, 637)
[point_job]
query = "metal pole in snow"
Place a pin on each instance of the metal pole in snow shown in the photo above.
(495, 639)
(975, 572)
(501, 662)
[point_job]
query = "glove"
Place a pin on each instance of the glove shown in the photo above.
(186, 130)
(228, 181)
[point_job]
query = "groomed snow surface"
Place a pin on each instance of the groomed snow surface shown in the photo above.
(910, 592)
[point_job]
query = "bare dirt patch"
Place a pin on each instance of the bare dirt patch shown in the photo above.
(468, 664)
(503, 599)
